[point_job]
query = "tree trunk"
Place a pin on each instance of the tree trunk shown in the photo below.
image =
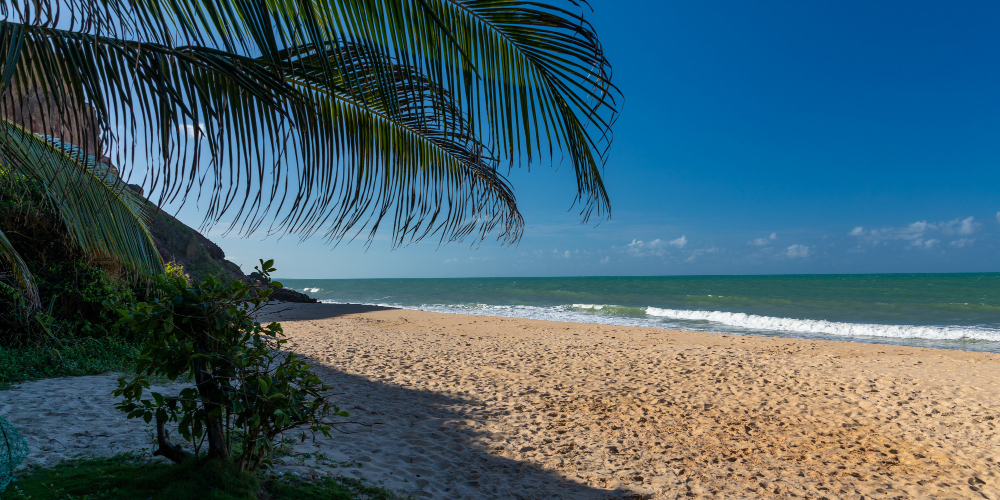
(211, 396)
(168, 450)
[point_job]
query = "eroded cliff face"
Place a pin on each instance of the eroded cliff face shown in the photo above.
(34, 108)
(200, 257)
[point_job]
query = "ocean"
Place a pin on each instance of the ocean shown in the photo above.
(952, 311)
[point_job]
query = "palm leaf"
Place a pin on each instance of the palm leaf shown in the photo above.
(104, 217)
(22, 275)
(332, 115)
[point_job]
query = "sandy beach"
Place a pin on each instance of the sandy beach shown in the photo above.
(455, 406)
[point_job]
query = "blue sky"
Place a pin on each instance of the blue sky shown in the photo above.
(756, 138)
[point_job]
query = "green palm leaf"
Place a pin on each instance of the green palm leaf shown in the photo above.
(20, 271)
(332, 115)
(109, 221)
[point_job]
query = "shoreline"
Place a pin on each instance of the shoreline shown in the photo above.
(965, 345)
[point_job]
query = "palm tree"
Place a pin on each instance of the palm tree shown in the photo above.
(322, 116)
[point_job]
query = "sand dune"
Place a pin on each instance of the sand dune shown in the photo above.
(452, 406)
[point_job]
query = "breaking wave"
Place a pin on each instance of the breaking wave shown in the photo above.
(753, 322)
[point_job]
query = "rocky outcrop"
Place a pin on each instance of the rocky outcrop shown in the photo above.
(34, 108)
(282, 294)
(200, 257)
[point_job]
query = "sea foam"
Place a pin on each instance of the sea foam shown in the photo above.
(718, 321)
(754, 322)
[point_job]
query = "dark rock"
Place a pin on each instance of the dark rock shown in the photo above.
(282, 294)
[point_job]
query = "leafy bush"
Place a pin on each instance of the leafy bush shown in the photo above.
(246, 391)
(83, 301)
(175, 270)
(80, 298)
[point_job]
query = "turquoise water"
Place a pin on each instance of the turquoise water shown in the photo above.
(957, 311)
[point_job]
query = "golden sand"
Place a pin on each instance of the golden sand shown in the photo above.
(483, 407)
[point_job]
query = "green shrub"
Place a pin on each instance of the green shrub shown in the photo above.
(175, 270)
(80, 299)
(83, 301)
(246, 392)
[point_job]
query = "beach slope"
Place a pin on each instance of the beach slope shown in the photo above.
(456, 406)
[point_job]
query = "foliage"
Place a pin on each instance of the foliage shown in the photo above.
(89, 356)
(246, 391)
(174, 270)
(129, 477)
(80, 301)
(103, 218)
(77, 331)
(331, 116)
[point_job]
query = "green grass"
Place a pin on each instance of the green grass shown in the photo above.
(126, 477)
(88, 356)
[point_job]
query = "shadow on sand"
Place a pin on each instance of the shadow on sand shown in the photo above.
(433, 445)
(277, 311)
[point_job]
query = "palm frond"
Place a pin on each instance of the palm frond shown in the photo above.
(102, 215)
(332, 115)
(19, 270)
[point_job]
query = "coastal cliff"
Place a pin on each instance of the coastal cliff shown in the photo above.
(200, 257)
(177, 242)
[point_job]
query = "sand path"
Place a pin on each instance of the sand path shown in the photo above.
(63, 418)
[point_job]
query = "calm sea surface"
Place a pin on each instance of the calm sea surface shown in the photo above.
(955, 311)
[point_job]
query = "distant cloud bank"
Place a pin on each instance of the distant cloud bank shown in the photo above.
(920, 234)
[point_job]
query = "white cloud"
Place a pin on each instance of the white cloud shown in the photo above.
(962, 243)
(701, 251)
(191, 130)
(605, 260)
(917, 234)
(967, 226)
(566, 254)
(801, 251)
(998, 216)
(657, 247)
(760, 242)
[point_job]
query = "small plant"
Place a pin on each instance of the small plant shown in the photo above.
(175, 270)
(247, 392)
